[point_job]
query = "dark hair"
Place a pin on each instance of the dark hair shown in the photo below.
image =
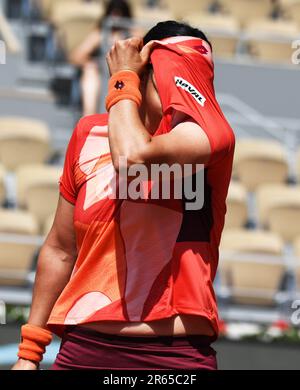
(171, 28)
(120, 6)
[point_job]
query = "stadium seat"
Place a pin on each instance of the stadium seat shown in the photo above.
(279, 209)
(237, 209)
(297, 246)
(245, 11)
(2, 185)
(63, 12)
(15, 221)
(23, 141)
(37, 190)
(270, 41)
(222, 30)
(8, 35)
(297, 254)
(292, 9)
(179, 9)
(18, 246)
(74, 23)
(138, 3)
(260, 162)
(264, 196)
(251, 265)
(45, 7)
(48, 7)
(48, 224)
(149, 16)
(298, 166)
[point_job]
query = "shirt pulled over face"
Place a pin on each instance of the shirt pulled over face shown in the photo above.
(142, 260)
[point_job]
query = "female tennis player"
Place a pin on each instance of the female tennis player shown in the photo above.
(127, 283)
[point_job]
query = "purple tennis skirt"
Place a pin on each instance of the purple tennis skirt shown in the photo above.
(85, 349)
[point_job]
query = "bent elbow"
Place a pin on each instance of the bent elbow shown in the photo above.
(122, 164)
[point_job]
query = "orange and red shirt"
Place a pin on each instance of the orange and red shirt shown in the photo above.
(145, 260)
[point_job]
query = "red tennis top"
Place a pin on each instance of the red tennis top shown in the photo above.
(146, 260)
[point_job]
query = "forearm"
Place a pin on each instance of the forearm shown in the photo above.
(128, 136)
(54, 269)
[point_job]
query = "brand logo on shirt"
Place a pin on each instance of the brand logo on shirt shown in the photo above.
(201, 49)
(186, 86)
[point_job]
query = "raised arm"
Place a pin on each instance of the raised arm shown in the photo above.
(187, 143)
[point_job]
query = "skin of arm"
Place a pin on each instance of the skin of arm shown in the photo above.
(81, 55)
(187, 143)
(55, 265)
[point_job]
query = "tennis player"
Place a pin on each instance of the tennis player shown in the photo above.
(128, 283)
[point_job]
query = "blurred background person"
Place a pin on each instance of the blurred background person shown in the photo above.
(87, 56)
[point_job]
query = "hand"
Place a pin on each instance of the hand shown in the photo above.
(25, 365)
(129, 55)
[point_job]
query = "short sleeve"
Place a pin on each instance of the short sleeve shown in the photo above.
(185, 84)
(67, 185)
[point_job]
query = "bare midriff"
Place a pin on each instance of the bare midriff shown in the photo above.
(181, 325)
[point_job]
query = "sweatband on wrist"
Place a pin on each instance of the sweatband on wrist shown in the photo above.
(123, 85)
(33, 342)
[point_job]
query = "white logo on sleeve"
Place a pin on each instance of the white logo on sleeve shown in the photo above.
(186, 86)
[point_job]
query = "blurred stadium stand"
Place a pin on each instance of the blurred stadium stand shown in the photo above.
(252, 266)
(256, 84)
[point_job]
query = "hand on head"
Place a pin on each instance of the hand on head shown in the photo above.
(129, 54)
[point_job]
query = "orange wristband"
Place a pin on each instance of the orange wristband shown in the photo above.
(123, 85)
(34, 342)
